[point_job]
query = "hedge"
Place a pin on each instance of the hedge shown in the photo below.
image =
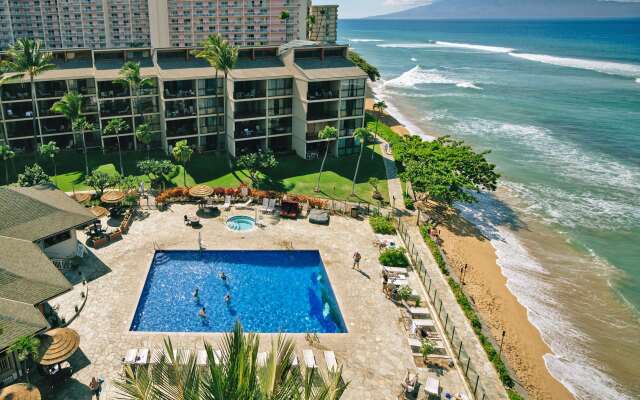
(433, 246)
(382, 225)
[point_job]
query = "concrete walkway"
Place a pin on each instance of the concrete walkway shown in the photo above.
(489, 385)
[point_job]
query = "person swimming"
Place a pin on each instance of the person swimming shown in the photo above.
(227, 298)
(202, 313)
(222, 276)
(196, 293)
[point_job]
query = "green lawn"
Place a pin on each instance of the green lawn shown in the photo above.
(293, 174)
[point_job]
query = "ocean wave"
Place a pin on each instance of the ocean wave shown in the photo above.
(540, 147)
(529, 281)
(419, 76)
(413, 59)
(365, 40)
(605, 67)
(449, 45)
(637, 80)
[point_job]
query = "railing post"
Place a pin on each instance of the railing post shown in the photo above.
(460, 349)
(475, 388)
(466, 371)
(453, 333)
(440, 309)
(446, 321)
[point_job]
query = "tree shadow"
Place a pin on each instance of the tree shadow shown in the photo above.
(91, 268)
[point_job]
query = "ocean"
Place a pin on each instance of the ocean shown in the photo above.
(558, 105)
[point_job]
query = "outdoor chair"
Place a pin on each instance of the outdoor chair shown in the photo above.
(130, 357)
(415, 311)
(227, 203)
(265, 205)
(309, 358)
(245, 205)
(330, 359)
(202, 358)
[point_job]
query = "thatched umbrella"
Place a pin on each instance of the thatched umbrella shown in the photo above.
(201, 191)
(57, 346)
(99, 211)
(112, 197)
(20, 391)
(81, 197)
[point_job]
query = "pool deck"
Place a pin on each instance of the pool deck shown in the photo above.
(374, 352)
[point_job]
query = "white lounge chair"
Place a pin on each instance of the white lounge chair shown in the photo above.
(201, 358)
(309, 358)
(265, 205)
(217, 356)
(261, 360)
(395, 270)
(143, 356)
(414, 343)
(399, 282)
(432, 386)
(416, 311)
(330, 359)
(294, 361)
(227, 203)
(130, 357)
(245, 205)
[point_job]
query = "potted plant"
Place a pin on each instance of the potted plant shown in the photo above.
(425, 350)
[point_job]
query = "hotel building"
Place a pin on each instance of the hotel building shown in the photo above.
(325, 28)
(275, 97)
(64, 24)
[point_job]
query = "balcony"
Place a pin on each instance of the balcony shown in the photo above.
(313, 130)
(211, 106)
(348, 127)
(82, 86)
(187, 127)
(180, 108)
(147, 105)
(209, 87)
(323, 90)
(18, 110)
(352, 108)
(114, 108)
(353, 88)
(51, 89)
(208, 125)
(252, 129)
(179, 89)
(322, 111)
(250, 90)
(16, 91)
(108, 89)
(280, 126)
(250, 109)
(20, 129)
(279, 107)
(52, 126)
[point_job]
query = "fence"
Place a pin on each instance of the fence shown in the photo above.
(464, 360)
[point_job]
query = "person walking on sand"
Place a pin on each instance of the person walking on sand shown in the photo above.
(356, 260)
(95, 387)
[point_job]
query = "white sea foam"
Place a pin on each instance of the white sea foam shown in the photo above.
(413, 59)
(527, 279)
(419, 76)
(365, 40)
(605, 67)
(449, 45)
(637, 80)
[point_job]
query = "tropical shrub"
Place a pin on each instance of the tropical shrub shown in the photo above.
(382, 225)
(33, 175)
(394, 258)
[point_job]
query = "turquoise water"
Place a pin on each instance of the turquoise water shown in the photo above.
(270, 292)
(558, 103)
(241, 223)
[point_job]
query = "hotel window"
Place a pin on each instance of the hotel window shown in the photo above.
(280, 87)
(353, 87)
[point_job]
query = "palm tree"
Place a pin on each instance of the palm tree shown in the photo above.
(311, 22)
(145, 135)
(223, 57)
(284, 16)
(130, 76)
(327, 133)
(70, 105)
(378, 107)
(235, 375)
(26, 60)
(363, 136)
(25, 348)
(7, 154)
(50, 150)
(322, 23)
(115, 127)
(182, 153)
(210, 52)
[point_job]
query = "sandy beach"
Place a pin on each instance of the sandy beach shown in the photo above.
(499, 309)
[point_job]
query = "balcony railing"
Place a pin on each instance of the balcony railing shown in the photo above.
(246, 133)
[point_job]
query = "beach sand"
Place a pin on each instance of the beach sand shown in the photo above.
(499, 309)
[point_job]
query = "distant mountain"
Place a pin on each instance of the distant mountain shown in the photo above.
(519, 9)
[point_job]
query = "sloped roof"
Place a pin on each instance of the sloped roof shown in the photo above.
(17, 320)
(26, 273)
(33, 213)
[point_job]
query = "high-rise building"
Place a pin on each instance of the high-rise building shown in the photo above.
(325, 23)
(151, 23)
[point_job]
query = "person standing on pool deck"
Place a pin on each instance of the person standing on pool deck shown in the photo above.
(356, 260)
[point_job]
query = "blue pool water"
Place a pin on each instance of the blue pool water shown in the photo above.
(241, 223)
(271, 291)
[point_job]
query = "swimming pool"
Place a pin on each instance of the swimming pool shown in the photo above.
(271, 291)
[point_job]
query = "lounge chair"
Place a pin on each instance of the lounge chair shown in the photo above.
(410, 384)
(272, 206)
(294, 361)
(261, 360)
(330, 359)
(309, 358)
(432, 387)
(143, 357)
(227, 203)
(245, 205)
(130, 357)
(201, 358)
(415, 311)
(395, 270)
(265, 205)
(398, 282)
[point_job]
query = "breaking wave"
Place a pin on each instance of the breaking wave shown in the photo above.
(605, 67)
(419, 76)
(438, 44)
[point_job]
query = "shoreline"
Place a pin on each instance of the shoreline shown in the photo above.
(524, 348)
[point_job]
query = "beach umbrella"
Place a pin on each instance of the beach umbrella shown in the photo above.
(112, 197)
(20, 391)
(201, 191)
(57, 345)
(81, 197)
(99, 211)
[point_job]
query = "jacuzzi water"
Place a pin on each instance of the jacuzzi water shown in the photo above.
(241, 223)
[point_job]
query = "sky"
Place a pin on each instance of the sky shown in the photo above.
(366, 8)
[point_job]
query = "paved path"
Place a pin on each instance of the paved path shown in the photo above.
(489, 380)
